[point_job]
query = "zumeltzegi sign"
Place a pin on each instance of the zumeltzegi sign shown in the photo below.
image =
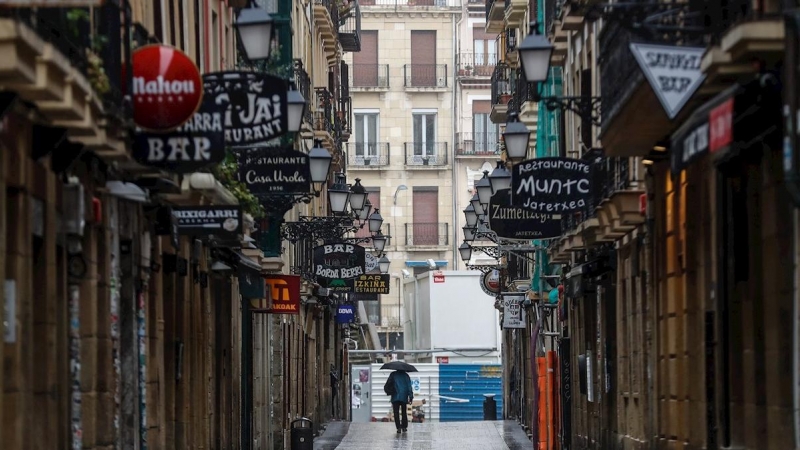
(551, 185)
(197, 143)
(673, 72)
(255, 105)
(274, 170)
(513, 222)
(339, 260)
(208, 220)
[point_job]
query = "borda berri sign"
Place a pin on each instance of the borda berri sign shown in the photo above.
(198, 143)
(551, 185)
(339, 260)
(255, 105)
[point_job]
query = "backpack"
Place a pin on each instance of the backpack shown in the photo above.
(389, 388)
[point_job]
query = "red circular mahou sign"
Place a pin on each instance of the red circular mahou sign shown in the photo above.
(167, 87)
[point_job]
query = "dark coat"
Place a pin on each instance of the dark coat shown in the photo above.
(404, 391)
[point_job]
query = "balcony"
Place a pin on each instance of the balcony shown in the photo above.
(427, 234)
(511, 35)
(514, 12)
(740, 32)
(425, 4)
(425, 76)
(70, 67)
(495, 14)
(343, 124)
(323, 117)
(326, 19)
(370, 77)
(303, 82)
(350, 26)
(425, 154)
(624, 130)
(476, 67)
(501, 92)
(478, 144)
(366, 155)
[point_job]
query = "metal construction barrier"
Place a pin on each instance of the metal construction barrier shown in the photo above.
(302, 435)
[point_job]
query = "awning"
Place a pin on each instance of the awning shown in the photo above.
(733, 121)
(439, 263)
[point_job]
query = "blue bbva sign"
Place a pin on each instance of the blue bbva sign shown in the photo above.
(345, 314)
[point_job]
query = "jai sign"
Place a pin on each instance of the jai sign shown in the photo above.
(551, 185)
(255, 105)
(167, 88)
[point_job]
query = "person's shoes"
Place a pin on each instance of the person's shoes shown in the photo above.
(398, 431)
(405, 430)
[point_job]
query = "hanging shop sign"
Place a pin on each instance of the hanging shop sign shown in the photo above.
(208, 220)
(363, 284)
(673, 72)
(512, 222)
(513, 312)
(274, 170)
(339, 260)
(490, 282)
(345, 314)
(551, 185)
(255, 105)
(198, 143)
(167, 87)
(283, 294)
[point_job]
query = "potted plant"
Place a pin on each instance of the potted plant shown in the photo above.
(469, 70)
(504, 98)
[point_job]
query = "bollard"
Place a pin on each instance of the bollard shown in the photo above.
(302, 436)
(489, 407)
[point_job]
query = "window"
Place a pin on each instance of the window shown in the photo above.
(425, 210)
(365, 62)
(423, 58)
(484, 47)
(485, 133)
(424, 135)
(366, 131)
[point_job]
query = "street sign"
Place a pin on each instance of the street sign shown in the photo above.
(438, 277)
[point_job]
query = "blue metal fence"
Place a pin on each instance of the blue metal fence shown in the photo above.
(462, 388)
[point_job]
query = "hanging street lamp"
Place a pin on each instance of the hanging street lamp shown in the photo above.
(465, 251)
(516, 138)
(358, 195)
(319, 161)
(296, 108)
(500, 178)
(254, 26)
(384, 263)
(535, 52)
(338, 194)
(484, 188)
(375, 221)
(471, 216)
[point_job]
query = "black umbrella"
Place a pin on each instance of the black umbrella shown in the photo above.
(399, 365)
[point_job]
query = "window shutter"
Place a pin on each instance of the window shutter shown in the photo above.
(481, 107)
(425, 210)
(423, 58)
(365, 62)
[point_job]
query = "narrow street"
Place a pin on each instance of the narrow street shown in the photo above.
(494, 435)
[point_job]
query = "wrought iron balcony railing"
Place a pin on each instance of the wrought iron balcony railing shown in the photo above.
(368, 154)
(323, 116)
(303, 82)
(425, 75)
(476, 64)
(478, 144)
(427, 233)
(405, 3)
(370, 76)
(425, 153)
(619, 72)
(350, 26)
(93, 40)
(501, 84)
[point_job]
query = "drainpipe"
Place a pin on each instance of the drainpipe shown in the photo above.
(454, 175)
(796, 337)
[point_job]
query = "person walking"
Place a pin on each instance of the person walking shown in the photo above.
(403, 395)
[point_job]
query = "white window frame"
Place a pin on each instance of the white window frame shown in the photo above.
(369, 150)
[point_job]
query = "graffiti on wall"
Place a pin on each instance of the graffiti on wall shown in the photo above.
(75, 367)
(141, 327)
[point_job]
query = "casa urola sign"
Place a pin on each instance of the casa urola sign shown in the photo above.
(167, 87)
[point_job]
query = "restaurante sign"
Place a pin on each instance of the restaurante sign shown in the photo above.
(551, 185)
(274, 170)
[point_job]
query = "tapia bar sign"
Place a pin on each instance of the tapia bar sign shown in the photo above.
(266, 170)
(513, 222)
(255, 105)
(340, 260)
(551, 185)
